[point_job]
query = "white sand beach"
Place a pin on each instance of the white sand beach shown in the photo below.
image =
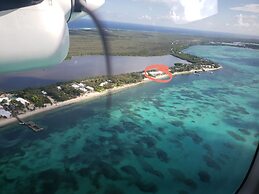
(88, 97)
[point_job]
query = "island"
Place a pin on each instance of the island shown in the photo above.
(31, 101)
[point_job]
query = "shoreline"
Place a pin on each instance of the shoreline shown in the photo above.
(84, 98)
(89, 97)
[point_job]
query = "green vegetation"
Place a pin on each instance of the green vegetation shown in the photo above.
(180, 67)
(35, 96)
(134, 43)
(65, 91)
(123, 43)
(177, 51)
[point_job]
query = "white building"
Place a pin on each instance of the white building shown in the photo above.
(43, 92)
(81, 85)
(103, 83)
(4, 113)
(75, 86)
(23, 101)
(83, 89)
(59, 88)
(89, 88)
(155, 73)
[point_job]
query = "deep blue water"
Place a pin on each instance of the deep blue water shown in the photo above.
(194, 135)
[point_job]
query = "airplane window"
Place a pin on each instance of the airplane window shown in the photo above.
(132, 96)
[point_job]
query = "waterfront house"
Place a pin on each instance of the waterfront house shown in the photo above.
(81, 85)
(83, 89)
(89, 88)
(75, 86)
(103, 83)
(4, 113)
(23, 101)
(155, 73)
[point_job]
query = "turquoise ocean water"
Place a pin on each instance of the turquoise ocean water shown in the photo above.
(194, 135)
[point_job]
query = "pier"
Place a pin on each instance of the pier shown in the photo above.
(30, 125)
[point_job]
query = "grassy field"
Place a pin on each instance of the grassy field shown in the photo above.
(125, 43)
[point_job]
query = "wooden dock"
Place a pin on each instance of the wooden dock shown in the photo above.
(30, 125)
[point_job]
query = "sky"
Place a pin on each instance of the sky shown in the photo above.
(233, 16)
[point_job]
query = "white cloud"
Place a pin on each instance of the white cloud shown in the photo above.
(246, 24)
(241, 22)
(247, 20)
(146, 17)
(184, 11)
(253, 8)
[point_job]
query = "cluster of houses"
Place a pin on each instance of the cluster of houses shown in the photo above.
(82, 87)
(4, 113)
(208, 66)
(4, 101)
(6, 104)
(86, 89)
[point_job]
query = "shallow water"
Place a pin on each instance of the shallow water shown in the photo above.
(194, 135)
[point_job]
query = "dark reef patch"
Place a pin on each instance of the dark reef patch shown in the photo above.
(215, 124)
(236, 136)
(162, 156)
(177, 143)
(108, 171)
(240, 110)
(179, 176)
(194, 136)
(147, 122)
(244, 131)
(116, 155)
(208, 148)
(211, 163)
(101, 168)
(161, 130)
(146, 187)
(190, 183)
(228, 145)
(112, 189)
(182, 192)
(204, 176)
(177, 123)
(149, 169)
(49, 181)
(130, 170)
(130, 126)
(148, 140)
(224, 156)
(139, 150)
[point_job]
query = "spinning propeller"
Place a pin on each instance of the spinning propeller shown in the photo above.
(35, 32)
